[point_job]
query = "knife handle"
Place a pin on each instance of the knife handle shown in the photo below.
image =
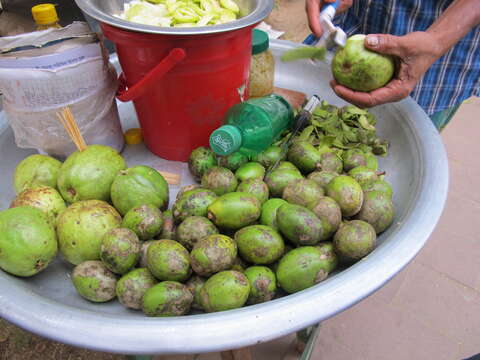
(328, 9)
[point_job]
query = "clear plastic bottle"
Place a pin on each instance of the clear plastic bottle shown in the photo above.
(252, 126)
(45, 16)
(262, 67)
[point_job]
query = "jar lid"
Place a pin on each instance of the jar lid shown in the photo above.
(259, 41)
(225, 140)
(44, 14)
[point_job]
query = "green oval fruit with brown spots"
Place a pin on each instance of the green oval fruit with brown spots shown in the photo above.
(168, 228)
(301, 268)
(234, 210)
(322, 178)
(212, 254)
(232, 161)
(139, 185)
(328, 254)
(81, 227)
(168, 260)
(371, 161)
(300, 225)
(377, 210)
(250, 170)
(142, 262)
(263, 284)
(259, 244)
(186, 188)
(328, 210)
(255, 187)
(193, 203)
(354, 240)
(132, 286)
(363, 174)
(348, 194)
(287, 165)
(193, 229)
(167, 298)
(329, 161)
(27, 241)
(225, 290)
(303, 192)
(94, 281)
(270, 156)
(304, 156)
(44, 198)
(36, 170)
(120, 250)
(144, 220)
(278, 180)
(220, 180)
(269, 212)
(353, 158)
(378, 185)
(200, 160)
(194, 285)
(89, 174)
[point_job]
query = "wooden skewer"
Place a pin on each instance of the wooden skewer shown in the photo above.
(68, 121)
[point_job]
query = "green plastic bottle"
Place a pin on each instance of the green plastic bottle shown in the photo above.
(252, 126)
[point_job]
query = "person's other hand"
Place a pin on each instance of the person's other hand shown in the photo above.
(415, 53)
(313, 11)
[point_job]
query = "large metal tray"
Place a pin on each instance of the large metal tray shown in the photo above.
(47, 304)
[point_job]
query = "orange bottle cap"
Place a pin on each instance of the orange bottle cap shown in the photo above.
(133, 136)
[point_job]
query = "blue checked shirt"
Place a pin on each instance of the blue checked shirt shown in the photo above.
(452, 78)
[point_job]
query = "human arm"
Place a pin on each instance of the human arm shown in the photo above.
(313, 10)
(416, 52)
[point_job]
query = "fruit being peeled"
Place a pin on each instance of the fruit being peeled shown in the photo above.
(44, 198)
(36, 170)
(27, 241)
(88, 174)
(81, 227)
(361, 69)
(139, 185)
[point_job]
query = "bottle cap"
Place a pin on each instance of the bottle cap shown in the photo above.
(133, 136)
(225, 140)
(259, 41)
(44, 14)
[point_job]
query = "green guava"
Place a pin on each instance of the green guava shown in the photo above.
(36, 170)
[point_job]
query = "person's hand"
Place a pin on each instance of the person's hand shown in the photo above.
(313, 11)
(415, 53)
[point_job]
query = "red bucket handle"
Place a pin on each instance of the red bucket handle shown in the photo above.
(123, 94)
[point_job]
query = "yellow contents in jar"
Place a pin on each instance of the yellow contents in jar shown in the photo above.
(262, 67)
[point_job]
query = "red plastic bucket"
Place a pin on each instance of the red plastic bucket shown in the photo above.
(181, 85)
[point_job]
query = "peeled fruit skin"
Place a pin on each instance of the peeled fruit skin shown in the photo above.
(328, 210)
(259, 244)
(44, 198)
(250, 170)
(304, 192)
(328, 254)
(146, 221)
(301, 268)
(200, 160)
(278, 180)
(120, 250)
(139, 185)
(168, 228)
(212, 254)
(348, 194)
(322, 178)
(377, 210)
(194, 285)
(89, 174)
(329, 161)
(304, 156)
(300, 225)
(36, 170)
(27, 241)
(363, 174)
(234, 210)
(225, 290)
(167, 298)
(353, 158)
(193, 203)
(219, 180)
(193, 229)
(168, 260)
(263, 284)
(361, 69)
(132, 286)
(378, 185)
(255, 187)
(354, 240)
(94, 281)
(80, 229)
(270, 156)
(269, 212)
(232, 161)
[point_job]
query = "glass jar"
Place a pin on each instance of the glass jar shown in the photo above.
(262, 67)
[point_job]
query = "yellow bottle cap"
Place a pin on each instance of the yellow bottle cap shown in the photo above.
(44, 14)
(133, 136)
